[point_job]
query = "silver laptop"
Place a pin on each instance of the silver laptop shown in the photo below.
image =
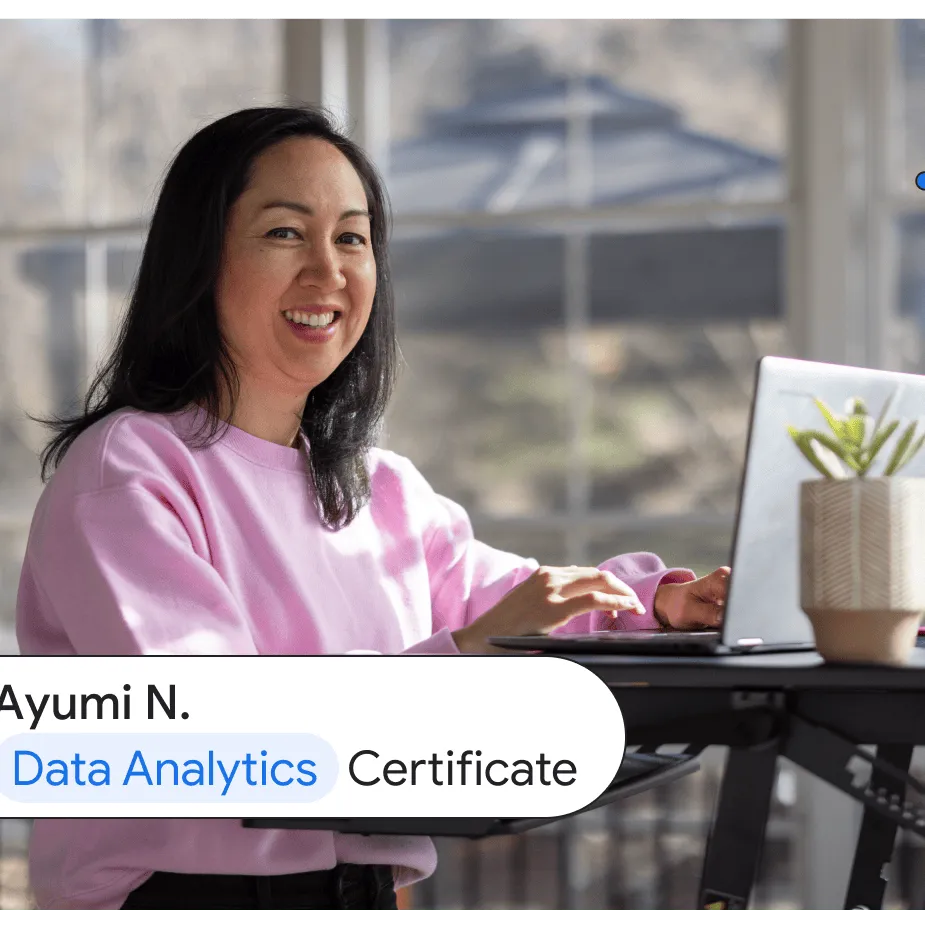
(763, 611)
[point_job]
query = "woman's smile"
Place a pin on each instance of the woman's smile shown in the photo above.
(314, 324)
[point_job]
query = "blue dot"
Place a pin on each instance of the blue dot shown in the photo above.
(920, 180)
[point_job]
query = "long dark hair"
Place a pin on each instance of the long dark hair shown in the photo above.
(169, 351)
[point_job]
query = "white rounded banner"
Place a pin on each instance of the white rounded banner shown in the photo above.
(303, 736)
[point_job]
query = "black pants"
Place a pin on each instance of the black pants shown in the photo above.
(347, 886)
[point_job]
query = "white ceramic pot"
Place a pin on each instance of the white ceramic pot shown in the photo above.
(862, 566)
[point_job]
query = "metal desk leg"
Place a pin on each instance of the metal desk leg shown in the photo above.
(730, 867)
(876, 839)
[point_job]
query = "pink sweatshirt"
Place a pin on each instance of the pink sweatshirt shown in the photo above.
(141, 546)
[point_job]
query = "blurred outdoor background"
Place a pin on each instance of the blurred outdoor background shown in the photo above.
(600, 226)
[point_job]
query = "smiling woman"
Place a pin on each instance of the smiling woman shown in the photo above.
(222, 494)
(294, 272)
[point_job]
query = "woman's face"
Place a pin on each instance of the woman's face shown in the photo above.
(298, 275)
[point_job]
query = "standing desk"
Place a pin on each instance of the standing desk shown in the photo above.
(792, 705)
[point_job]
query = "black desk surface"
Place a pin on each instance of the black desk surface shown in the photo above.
(706, 699)
(781, 671)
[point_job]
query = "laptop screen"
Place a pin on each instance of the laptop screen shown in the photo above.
(764, 592)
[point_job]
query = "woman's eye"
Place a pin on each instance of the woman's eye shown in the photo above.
(274, 234)
(353, 238)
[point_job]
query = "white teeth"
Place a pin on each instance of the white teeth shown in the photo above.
(312, 321)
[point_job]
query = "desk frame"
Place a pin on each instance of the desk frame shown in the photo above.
(815, 715)
(737, 836)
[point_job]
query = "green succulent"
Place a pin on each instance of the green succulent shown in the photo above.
(855, 440)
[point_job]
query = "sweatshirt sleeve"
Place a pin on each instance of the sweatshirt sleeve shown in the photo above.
(117, 572)
(467, 577)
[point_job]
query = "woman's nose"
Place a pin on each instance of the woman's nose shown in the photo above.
(322, 268)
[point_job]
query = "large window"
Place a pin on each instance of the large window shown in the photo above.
(600, 226)
(589, 258)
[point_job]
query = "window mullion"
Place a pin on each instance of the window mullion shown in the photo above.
(839, 276)
(315, 63)
(884, 161)
(577, 309)
(816, 239)
(636, 217)
(368, 88)
(93, 323)
(96, 306)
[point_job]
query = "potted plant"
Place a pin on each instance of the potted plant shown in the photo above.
(862, 537)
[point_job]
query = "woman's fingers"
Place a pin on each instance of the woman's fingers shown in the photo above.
(698, 604)
(714, 585)
(564, 609)
(705, 614)
(615, 585)
(699, 612)
(561, 593)
(572, 582)
(548, 599)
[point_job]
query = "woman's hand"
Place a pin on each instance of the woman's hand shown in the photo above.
(693, 605)
(550, 597)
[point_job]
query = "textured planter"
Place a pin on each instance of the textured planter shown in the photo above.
(862, 566)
